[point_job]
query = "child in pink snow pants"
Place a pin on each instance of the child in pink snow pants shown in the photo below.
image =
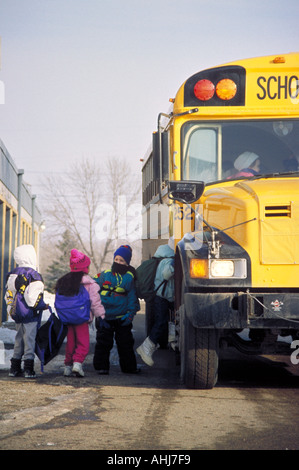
(77, 346)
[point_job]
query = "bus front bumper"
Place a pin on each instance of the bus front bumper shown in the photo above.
(242, 309)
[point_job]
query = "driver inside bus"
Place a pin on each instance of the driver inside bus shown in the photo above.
(247, 164)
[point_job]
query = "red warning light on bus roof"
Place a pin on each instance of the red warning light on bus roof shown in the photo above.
(204, 90)
(219, 86)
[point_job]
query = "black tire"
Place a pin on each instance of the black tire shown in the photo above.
(201, 356)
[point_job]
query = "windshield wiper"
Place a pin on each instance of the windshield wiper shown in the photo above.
(266, 175)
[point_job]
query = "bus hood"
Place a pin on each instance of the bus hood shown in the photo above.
(262, 215)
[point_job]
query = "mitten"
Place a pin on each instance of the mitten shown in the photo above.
(101, 323)
(127, 319)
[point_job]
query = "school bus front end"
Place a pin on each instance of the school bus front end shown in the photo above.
(237, 260)
(239, 272)
(245, 275)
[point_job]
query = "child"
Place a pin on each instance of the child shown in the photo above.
(121, 304)
(77, 346)
(24, 299)
(163, 301)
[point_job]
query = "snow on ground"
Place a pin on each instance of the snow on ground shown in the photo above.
(244, 334)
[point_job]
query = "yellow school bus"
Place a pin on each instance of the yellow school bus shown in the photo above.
(222, 177)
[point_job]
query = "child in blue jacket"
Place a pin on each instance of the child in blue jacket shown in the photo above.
(118, 296)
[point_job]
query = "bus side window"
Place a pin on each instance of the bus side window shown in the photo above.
(200, 157)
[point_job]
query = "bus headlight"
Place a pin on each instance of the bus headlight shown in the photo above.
(218, 268)
(222, 268)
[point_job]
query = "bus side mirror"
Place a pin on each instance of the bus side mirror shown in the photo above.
(186, 192)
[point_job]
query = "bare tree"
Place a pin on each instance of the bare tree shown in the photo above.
(120, 183)
(77, 201)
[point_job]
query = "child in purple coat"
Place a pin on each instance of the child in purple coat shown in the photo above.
(77, 346)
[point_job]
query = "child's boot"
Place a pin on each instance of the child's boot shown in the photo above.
(146, 350)
(15, 368)
(67, 371)
(78, 370)
(29, 369)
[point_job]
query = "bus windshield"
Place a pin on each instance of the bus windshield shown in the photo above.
(219, 150)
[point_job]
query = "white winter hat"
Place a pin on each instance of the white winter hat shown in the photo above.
(25, 255)
(245, 160)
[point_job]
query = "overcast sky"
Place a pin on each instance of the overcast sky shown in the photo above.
(87, 78)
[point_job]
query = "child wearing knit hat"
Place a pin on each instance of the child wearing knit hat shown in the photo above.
(77, 346)
(79, 262)
(118, 295)
(124, 252)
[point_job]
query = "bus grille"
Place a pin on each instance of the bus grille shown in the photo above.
(278, 211)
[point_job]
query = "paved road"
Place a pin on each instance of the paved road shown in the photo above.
(253, 406)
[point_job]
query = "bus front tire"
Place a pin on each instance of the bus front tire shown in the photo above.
(201, 356)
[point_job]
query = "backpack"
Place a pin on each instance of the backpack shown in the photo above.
(73, 310)
(145, 279)
(49, 339)
(20, 311)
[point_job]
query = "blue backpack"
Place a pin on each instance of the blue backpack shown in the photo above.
(49, 339)
(73, 310)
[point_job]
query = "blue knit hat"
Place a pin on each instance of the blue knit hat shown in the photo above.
(125, 251)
